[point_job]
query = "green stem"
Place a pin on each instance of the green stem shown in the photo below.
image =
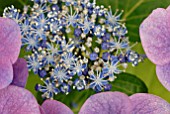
(21, 2)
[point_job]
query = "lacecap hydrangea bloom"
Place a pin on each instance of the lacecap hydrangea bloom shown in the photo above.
(155, 38)
(73, 44)
(14, 99)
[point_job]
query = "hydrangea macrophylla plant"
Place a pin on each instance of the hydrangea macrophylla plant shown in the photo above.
(155, 38)
(73, 44)
(10, 43)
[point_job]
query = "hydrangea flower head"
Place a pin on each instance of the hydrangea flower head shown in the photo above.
(74, 44)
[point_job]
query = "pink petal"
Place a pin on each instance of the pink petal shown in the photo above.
(149, 104)
(107, 103)
(154, 33)
(42, 110)
(10, 39)
(168, 9)
(20, 73)
(17, 100)
(163, 73)
(55, 107)
(6, 72)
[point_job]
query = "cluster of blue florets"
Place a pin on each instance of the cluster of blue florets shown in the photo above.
(73, 44)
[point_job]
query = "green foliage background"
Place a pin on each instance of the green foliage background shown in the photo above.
(134, 13)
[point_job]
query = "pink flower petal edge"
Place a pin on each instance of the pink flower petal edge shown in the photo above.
(163, 73)
(20, 73)
(107, 102)
(17, 100)
(55, 107)
(10, 39)
(149, 104)
(6, 72)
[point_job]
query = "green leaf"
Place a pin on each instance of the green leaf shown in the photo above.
(17, 3)
(134, 12)
(129, 84)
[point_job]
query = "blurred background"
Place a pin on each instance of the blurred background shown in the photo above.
(135, 11)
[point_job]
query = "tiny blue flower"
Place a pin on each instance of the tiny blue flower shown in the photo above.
(39, 33)
(41, 21)
(106, 56)
(25, 28)
(60, 74)
(68, 59)
(93, 56)
(71, 19)
(40, 8)
(105, 46)
(106, 37)
(98, 81)
(133, 57)
(87, 25)
(55, 7)
(54, 49)
(49, 89)
(13, 13)
(78, 68)
(77, 41)
(107, 87)
(49, 59)
(119, 45)
(55, 26)
(65, 88)
(111, 68)
(70, 2)
(99, 31)
(33, 63)
(77, 32)
(120, 31)
(66, 46)
(113, 20)
(42, 73)
(31, 42)
(79, 84)
(53, 1)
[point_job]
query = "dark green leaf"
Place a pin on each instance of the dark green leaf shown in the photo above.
(129, 84)
(134, 12)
